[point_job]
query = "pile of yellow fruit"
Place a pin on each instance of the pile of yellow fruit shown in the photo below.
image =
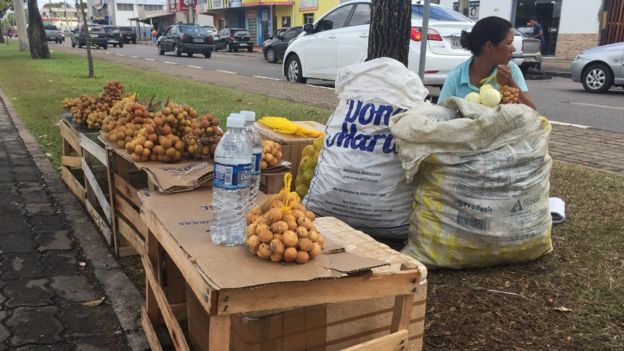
(282, 230)
(309, 158)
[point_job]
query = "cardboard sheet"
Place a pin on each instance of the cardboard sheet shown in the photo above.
(187, 216)
(171, 178)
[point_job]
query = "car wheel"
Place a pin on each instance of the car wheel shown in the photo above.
(121, 45)
(228, 47)
(177, 51)
(271, 56)
(114, 45)
(250, 49)
(73, 45)
(79, 46)
(190, 54)
(293, 70)
(208, 55)
(597, 78)
(160, 50)
(133, 41)
(105, 47)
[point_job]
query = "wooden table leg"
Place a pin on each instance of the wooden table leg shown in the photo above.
(220, 333)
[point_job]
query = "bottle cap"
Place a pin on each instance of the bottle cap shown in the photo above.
(250, 116)
(235, 120)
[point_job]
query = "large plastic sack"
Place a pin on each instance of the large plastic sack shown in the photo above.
(359, 178)
(481, 184)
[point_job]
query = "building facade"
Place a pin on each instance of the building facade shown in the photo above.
(65, 18)
(262, 17)
(120, 12)
(569, 25)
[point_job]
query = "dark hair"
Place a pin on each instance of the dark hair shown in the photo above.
(494, 29)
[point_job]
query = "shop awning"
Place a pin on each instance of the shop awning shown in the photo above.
(151, 15)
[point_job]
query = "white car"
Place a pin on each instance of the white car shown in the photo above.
(340, 38)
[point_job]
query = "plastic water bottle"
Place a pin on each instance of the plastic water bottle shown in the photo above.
(256, 149)
(232, 168)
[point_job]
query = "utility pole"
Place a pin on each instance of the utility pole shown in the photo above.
(20, 20)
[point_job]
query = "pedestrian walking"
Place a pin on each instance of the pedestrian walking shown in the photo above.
(154, 35)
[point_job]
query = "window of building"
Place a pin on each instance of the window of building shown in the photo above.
(125, 7)
(285, 21)
(152, 7)
(308, 18)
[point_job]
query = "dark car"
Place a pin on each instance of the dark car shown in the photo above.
(97, 36)
(128, 34)
(232, 39)
(275, 48)
(114, 36)
(186, 38)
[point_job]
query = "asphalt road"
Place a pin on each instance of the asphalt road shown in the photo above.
(559, 99)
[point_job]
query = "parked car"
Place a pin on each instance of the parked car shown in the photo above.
(276, 32)
(212, 31)
(275, 48)
(528, 52)
(114, 36)
(340, 38)
(599, 68)
(128, 34)
(186, 38)
(52, 33)
(232, 39)
(12, 32)
(97, 35)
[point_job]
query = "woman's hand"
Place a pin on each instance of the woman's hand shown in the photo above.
(503, 76)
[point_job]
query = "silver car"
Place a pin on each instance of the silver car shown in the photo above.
(599, 68)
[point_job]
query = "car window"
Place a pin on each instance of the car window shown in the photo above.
(50, 27)
(240, 33)
(288, 35)
(360, 16)
(334, 20)
(193, 30)
(438, 13)
(126, 29)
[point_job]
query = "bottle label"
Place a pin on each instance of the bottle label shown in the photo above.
(232, 176)
(256, 163)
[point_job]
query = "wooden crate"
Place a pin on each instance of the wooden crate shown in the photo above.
(126, 180)
(197, 316)
(334, 326)
(271, 183)
(84, 169)
(292, 145)
(71, 159)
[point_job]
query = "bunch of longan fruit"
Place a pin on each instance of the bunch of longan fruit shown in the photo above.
(205, 136)
(282, 230)
(271, 154)
(125, 121)
(94, 109)
(509, 95)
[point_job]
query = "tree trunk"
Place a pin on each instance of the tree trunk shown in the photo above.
(87, 39)
(2, 34)
(36, 34)
(389, 33)
(20, 21)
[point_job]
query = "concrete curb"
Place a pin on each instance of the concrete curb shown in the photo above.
(122, 294)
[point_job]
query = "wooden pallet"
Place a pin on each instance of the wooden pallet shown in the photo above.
(71, 159)
(181, 299)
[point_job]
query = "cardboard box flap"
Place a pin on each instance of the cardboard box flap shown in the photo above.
(170, 177)
(187, 216)
(268, 133)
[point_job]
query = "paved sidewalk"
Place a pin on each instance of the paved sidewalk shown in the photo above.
(45, 279)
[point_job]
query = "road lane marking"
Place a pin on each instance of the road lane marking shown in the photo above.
(570, 125)
(193, 66)
(170, 63)
(118, 54)
(228, 72)
(594, 105)
(263, 77)
(107, 52)
(149, 59)
(134, 56)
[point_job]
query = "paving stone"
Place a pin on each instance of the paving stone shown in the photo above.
(17, 242)
(7, 210)
(9, 198)
(55, 347)
(45, 223)
(60, 264)
(21, 266)
(82, 321)
(40, 209)
(12, 224)
(22, 161)
(56, 240)
(5, 175)
(34, 325)
(4, 335)
(74, 289)
(36, 196)
(26, 174)
(25, 292)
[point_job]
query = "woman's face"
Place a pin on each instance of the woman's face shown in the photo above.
(502, 53)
